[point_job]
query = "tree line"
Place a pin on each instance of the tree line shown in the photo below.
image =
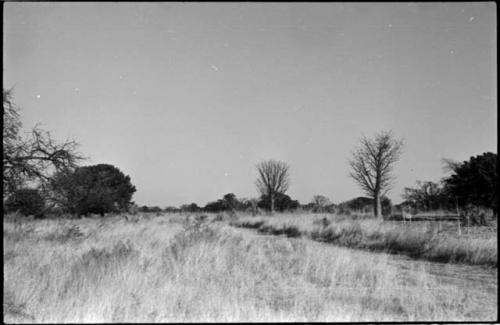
(43, 175)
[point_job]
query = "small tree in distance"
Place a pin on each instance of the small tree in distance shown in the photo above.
(426, 196)
(372, 166)
(319, 203)
(273, 179)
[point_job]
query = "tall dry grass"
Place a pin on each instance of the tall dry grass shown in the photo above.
(162, 269)
(418, 240)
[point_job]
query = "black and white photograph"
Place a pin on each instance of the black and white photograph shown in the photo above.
(228, 162)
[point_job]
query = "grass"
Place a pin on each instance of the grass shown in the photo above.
(178, 268)
(417, 240)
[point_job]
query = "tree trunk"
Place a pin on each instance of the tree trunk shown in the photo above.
(377, 206)
(272, 202)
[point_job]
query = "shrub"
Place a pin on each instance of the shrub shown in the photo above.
(476, 215)
(323, 222)
(27, 202)
(93, 189)
(291, 231)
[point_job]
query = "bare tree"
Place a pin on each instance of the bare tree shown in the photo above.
(372, 166)
(273, 178)
(320, 202)
(33, 158)
(450, 165)
(427, 195)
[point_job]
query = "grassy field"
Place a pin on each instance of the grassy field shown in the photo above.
(424, 240)
(177, 269)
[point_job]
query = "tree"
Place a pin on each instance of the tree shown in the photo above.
(282, 202)
(147, 209)
(249, 205)
(364, 204)
(170, 209)
(33, 158)
(216, 206)
(193, 207)
(427, 196)
(230, 202)
(93, 189)
(474, 181)
(319, 203)
(372, 166)
(274, 179)
(26, 201)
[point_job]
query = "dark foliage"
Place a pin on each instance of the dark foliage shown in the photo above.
(364, 204)
(282, 202)
(228, 203)
(217, 206)
(475, 182)
(26, 201)
(193, 207)
(147, 209)
(93, 189)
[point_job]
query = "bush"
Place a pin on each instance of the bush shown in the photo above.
(27, 202)
(476, 215)
(282, 202)
(475, 181)
(93, 189)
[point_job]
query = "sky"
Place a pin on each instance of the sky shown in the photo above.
(186, 98)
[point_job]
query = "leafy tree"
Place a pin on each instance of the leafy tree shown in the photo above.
(319, 203)
(216, 206)
(475, 181)
(282, 202)
(147, 209)
(193, 207)
(171, 209)
(93, 189)
(230, 202)
(34, 158)
(372, 166)
(26, 201)
(273, 180)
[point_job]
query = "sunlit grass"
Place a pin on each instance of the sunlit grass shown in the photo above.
(168, 269)
(418, 240)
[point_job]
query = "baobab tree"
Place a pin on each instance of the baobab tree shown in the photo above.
(273, 178)
(372, 166)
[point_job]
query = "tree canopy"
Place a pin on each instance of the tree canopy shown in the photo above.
(26, 201)
(93, 189)
(282, 202)
(372, 166)
(475, 181)
(273, 180)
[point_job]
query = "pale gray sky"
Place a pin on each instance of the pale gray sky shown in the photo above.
(186, 98)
